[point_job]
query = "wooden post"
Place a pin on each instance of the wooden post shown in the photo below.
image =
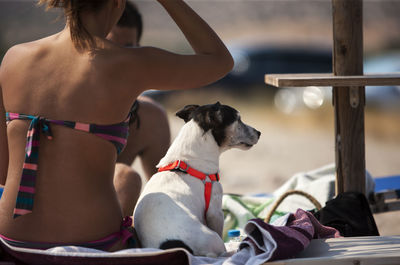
(348, 101)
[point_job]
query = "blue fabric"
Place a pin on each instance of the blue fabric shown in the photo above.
(1, 191)
(387, 183)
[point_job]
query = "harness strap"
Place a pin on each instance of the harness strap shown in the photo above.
(207, 195)
(183, 167)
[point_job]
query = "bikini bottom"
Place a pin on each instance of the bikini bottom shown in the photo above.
(106, 243)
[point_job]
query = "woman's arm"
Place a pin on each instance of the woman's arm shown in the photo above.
(210, 62)
(201, 37)
(3, 138)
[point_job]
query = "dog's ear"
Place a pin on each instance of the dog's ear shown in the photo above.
(215, 115)
(216, 106)
(187, 112)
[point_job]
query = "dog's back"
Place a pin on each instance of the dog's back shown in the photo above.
(170, 214)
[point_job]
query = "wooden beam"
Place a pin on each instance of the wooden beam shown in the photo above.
(348, 101)
(302, 80)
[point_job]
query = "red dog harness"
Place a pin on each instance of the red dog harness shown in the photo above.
(182, 166)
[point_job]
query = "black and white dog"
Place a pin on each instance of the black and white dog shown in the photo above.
(180, 206)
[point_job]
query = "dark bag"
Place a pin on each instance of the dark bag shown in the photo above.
(350, 214)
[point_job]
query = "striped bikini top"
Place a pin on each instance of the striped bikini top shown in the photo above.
(117, 134)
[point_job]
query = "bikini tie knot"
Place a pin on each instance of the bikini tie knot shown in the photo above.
(37, 125)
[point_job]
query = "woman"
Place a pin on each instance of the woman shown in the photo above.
(74, 90)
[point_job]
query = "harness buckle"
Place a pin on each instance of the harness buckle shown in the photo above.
(178, 166)
(207, 179)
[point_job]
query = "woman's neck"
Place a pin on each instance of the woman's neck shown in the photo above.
(97, 24)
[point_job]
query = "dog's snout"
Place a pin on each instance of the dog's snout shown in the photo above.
(258, 134)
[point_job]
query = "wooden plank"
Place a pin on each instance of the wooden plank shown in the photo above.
(303, 80)
(351, 250)
(348, 101)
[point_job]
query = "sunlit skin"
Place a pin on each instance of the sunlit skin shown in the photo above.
(149, 144)
(75, 200)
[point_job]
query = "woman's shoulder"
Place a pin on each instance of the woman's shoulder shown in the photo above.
(13, 53)
(21, 57)
(12, 58)
(23, 51)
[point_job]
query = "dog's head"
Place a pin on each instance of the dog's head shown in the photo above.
(224, 123)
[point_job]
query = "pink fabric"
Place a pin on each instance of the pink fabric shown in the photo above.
(82, 126)
(14, 115)
(123, 234)
(30, 166)
(27, 189)
(21, 211)
(112, 138)
(104, 243)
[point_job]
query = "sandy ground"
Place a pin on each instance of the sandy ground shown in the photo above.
(300, 142)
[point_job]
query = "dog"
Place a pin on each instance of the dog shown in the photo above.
(181, 205)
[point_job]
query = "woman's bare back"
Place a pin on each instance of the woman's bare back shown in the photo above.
(75, 168)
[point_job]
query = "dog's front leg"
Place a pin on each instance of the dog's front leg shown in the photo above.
(215, 221)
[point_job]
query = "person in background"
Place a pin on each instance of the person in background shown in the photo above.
(149, 133)
(67, 102)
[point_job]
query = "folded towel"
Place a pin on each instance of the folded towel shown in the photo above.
(270, 242)
(289, 235)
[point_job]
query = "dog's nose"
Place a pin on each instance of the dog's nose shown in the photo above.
(258, 133)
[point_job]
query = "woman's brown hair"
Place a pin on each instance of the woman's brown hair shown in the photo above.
(72, 10)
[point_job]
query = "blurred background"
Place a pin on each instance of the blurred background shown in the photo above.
(268, 36)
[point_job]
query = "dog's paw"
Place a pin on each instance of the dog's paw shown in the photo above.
(175, 244)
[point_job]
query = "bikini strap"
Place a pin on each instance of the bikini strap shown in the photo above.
(26, 192)
(116, 134)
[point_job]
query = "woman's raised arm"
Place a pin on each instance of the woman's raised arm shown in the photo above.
(211, 59)
(201, 37)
